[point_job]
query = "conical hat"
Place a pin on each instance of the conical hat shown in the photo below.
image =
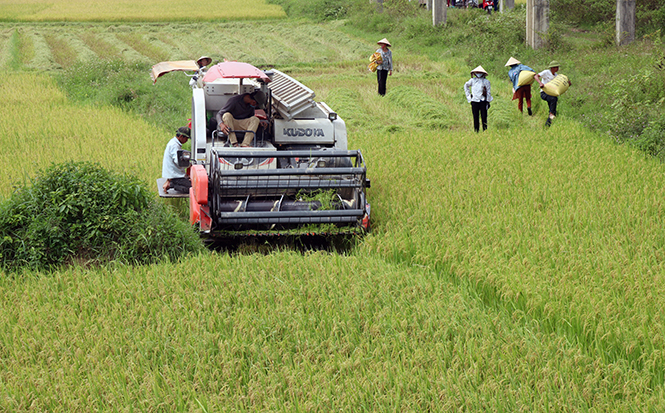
(512, 61)
(204, 61)
(479, 69)
(384, 41)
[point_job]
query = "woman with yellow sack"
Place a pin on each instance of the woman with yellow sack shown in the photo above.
(551, 95)
(385, 68)
(522, 77)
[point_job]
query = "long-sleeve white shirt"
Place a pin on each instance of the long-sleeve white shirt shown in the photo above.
(474, 89)
(170, 168)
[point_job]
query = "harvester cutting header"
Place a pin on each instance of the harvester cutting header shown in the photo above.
(281, 168)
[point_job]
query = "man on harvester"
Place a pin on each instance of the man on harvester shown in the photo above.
(239, 115)
(176, 176)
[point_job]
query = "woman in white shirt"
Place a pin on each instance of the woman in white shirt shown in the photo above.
(479, 95)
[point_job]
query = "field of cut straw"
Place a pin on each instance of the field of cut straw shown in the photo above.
(52, 46)
(519, 269)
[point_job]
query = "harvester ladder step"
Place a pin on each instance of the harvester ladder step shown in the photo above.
(291, 97)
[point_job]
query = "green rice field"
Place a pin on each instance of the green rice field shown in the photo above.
(128, 10)
(517, 270)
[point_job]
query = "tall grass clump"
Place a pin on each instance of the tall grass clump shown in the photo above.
(128, 86)
(499, 36)
(636, 112)
(316, 9)
(399, 19)
(649, 16)
(81, 213)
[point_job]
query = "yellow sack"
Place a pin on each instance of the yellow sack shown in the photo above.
(374, 61)
(525, 78)
(557, 86)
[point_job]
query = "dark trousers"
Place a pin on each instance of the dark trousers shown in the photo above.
(181, 184)
(551, 101)
(381, 77)
(479, 110)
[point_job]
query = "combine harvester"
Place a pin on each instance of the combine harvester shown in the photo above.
(298, 178)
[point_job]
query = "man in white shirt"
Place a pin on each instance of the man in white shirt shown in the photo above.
(543, 78)
(176, 177)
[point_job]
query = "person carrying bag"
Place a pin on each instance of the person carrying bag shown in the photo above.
(374, 61)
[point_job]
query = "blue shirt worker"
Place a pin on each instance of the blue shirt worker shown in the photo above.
(176, 176)
(520, 92)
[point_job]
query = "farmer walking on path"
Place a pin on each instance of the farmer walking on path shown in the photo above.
(544, 78)
(520, 73)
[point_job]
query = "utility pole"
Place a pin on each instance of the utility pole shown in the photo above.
(506, 4)
(537, 22)
(625, 22)
(439, 12)
(379, 5)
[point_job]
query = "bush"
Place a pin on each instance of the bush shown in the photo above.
(636, 109)
(587, 12)
(79, 212)
(652, 139)
(498, 35)
(398, 19)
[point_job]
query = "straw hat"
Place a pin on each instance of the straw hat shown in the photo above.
(384, 41)
(554, 63)
(512, 61)
(203, 61)
(479, 69)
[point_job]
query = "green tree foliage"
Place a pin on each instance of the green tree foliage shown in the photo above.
(79, 212)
